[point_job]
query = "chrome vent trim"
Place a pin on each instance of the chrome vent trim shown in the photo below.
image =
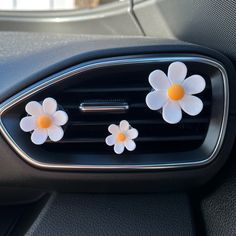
(105, 107)
(115, 61)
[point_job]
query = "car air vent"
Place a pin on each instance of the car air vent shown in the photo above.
(86, 130)
(121, 83)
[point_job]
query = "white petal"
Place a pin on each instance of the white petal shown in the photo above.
(192, 105)
(132, 133)
(110, 140)
(172, 112)
(39, 136)
(130, 145)
(34, 108)
(119, 148)
(177, 72)
(55, 133)
(49, 105)
(124, 125)
(156, 99)
(114, 129)
(27, 123)
(60, 118)
(194, 84)
(159, 80)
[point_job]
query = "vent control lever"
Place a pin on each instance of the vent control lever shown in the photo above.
(106, 107)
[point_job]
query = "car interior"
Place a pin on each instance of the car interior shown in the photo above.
(117, 117)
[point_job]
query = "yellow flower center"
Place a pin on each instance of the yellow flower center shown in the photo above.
(176, 92)
(44, 121)
(121, 137)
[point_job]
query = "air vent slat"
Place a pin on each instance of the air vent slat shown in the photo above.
(132, 88)
(131, 105)
(141, 122)
(142, 139)
(108, 90)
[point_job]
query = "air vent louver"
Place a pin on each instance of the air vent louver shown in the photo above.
(86, 132)
(193, 141)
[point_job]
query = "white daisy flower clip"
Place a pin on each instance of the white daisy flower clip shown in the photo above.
(44, 121)
(172, 92)
(122, 137)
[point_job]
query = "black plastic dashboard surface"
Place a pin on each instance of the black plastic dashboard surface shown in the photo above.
(104, 214)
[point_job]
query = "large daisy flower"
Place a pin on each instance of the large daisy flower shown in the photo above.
(172, 92)
(44, 120)
(122, 137)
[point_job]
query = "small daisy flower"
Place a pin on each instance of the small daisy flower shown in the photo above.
(172, 92)
(44, 121)
(122, 136)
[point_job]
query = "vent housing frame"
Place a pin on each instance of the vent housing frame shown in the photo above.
(201, 156)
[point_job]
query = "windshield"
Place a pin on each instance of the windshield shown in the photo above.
(50, 5)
